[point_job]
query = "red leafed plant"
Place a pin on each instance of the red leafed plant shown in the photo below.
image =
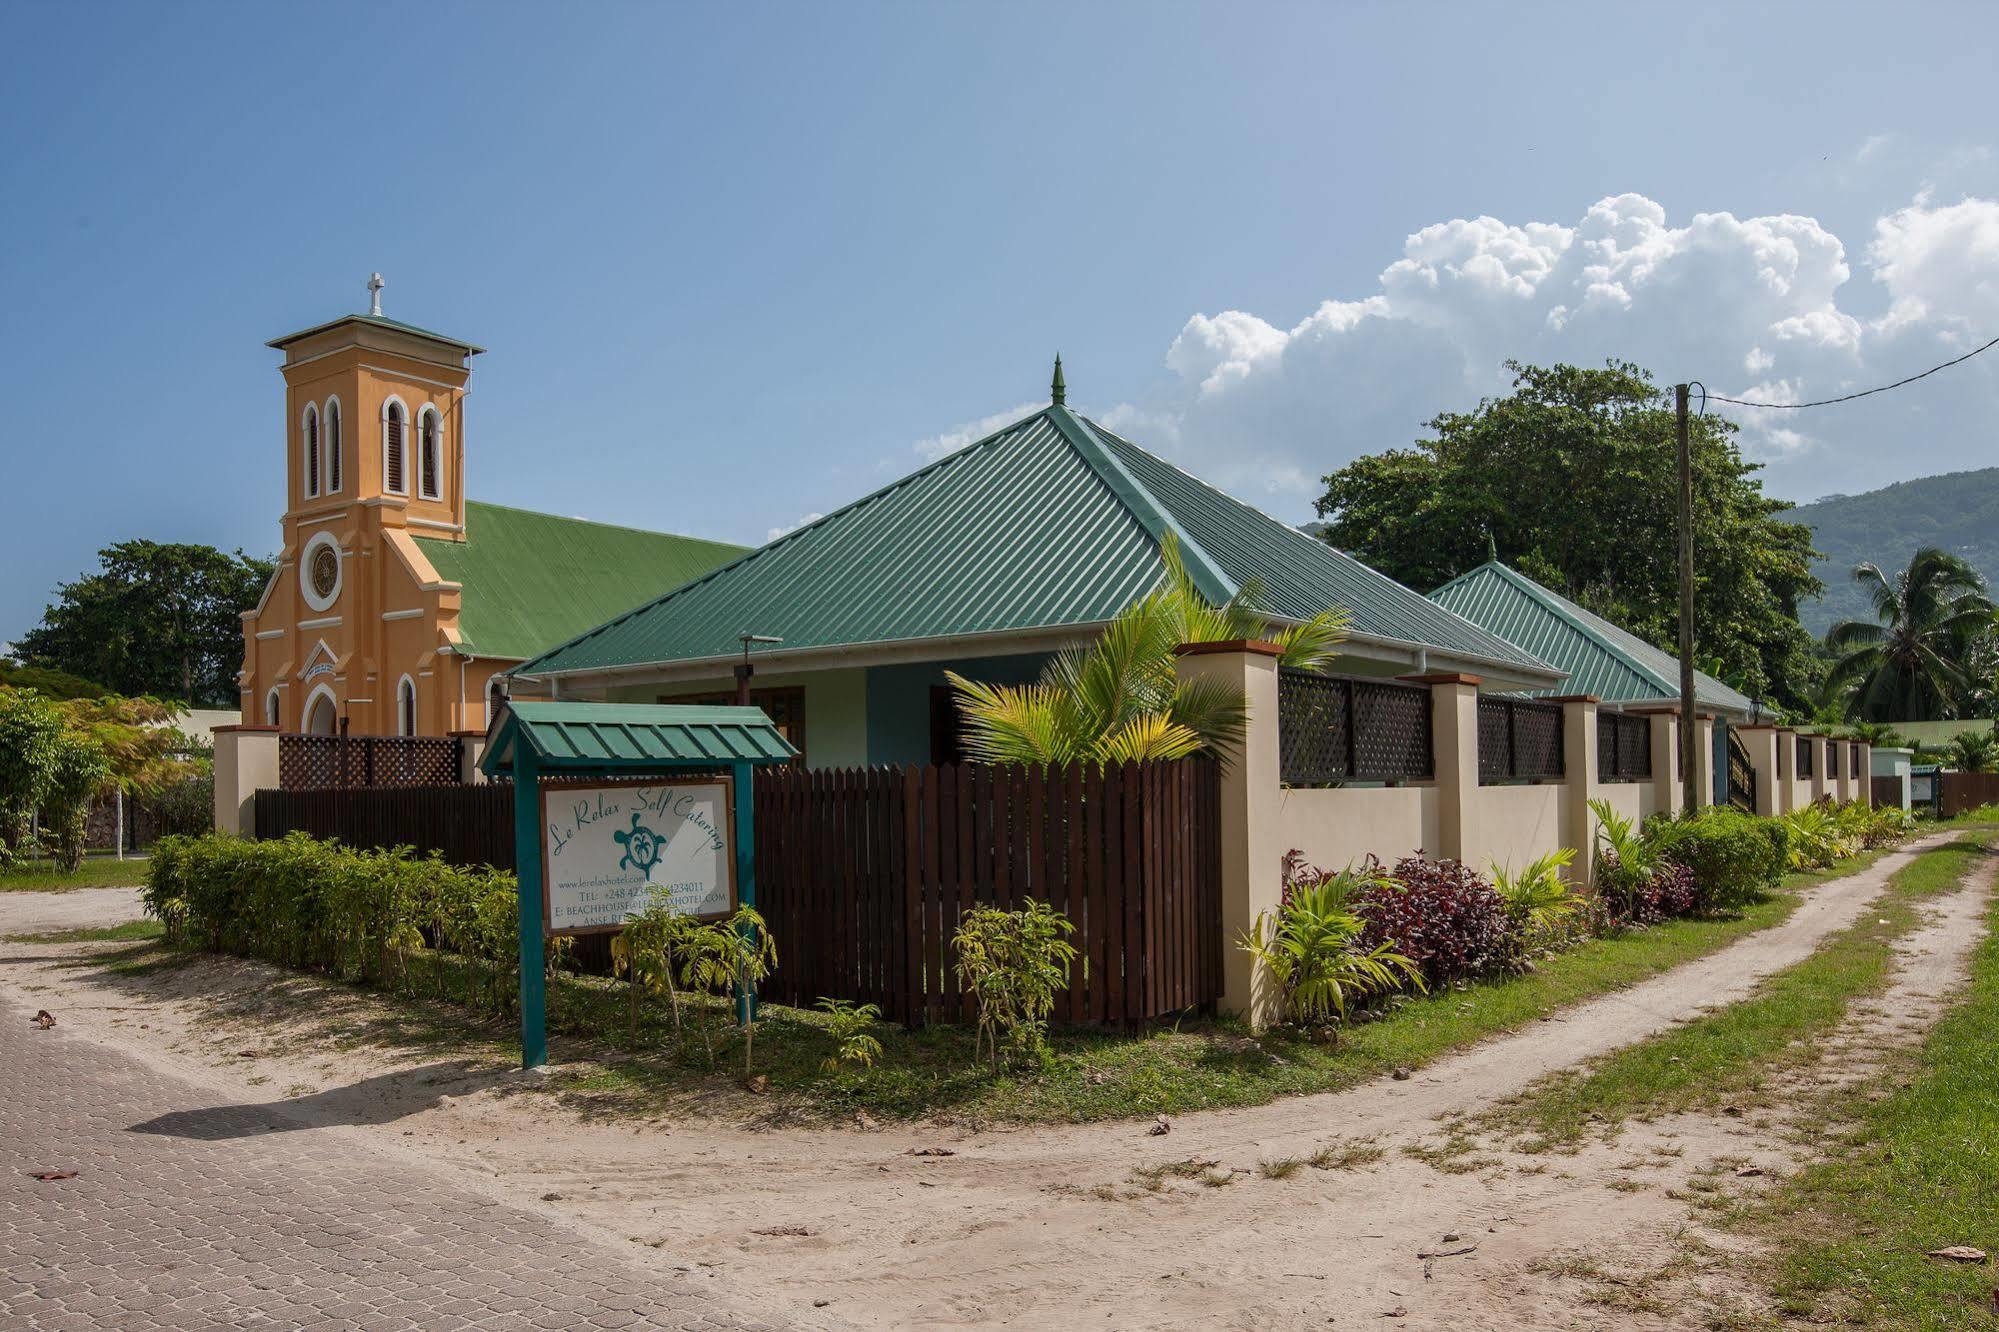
(1443, 915)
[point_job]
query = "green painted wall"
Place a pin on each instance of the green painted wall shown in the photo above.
(898, 700)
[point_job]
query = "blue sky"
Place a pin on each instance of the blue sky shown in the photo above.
(740, 264)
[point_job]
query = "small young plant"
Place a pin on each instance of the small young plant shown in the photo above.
(1312, 949)
(852, 1028)
(648, 950)
(1538, 899)
(734, 955)
(1013, 964)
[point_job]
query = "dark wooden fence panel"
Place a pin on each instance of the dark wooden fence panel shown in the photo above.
(1887, 792)
(1342, 728)
(864, 876)
(468, 825)
(1960, 791)
(1623, 747)
(1519, 741)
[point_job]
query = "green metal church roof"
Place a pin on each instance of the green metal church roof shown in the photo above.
(1049, 523)
(532, 580)
(1601, 659)
(610, 735)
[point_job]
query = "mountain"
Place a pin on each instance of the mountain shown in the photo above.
(1958, 511)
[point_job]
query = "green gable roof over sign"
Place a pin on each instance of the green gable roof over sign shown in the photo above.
(1601, 659)
(532, 580)
(595, 736)
(1050, 523)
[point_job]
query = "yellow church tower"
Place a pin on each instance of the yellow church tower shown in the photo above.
(353, 626)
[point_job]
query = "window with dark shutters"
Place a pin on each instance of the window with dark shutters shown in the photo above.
(429, 474)
(392, 449)
(311, 428)
(333, 479)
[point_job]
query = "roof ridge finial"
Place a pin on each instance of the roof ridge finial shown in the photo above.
(1058, 391)
(1491, 546)
(375, 285)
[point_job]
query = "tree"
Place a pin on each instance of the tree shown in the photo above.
(1970, 751)
(78, 774)
(157, 618)
(1913, 662)
(1571, 478)
(1119, 700)
(31, 728)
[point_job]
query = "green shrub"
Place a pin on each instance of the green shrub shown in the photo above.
(1313, 949)
(359, 915)
(1733, 856)
(1013, 964)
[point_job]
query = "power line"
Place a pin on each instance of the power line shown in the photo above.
(1707, 397)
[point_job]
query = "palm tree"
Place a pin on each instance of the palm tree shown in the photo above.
(1878, 735)
(1911, 664)
(1118, 700)
(1971, 751)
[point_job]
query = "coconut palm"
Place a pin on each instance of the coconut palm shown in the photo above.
(1911, 663)
(1118, 700)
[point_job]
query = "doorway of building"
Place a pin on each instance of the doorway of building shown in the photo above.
(320, 717)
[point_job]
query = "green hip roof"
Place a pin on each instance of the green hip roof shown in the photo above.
(1050, 523)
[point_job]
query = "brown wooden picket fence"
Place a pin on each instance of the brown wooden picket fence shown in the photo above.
(863, 874)
(1961, 791)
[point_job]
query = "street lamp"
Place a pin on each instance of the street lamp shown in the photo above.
(745, 671)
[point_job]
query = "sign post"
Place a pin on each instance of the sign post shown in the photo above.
(617, 803)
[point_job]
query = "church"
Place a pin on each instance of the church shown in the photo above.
(397, 602)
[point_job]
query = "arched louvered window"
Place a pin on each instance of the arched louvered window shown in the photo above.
(496, 698)
(429, 456)
(333, 449)
(406, 707)
(394, 425)
(309, 428)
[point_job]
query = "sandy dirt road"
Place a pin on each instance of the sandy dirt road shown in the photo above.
(1057, 1226)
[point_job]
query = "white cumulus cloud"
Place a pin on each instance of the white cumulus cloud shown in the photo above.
(1755, 307)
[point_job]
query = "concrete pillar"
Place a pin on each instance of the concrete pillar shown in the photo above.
(1252, 881)
(1788, 789)
(1454, 739)
(246, 761)
(1894, 763)
(1820, 785)
(1864, 773)
(1704, 758)
(1665, 724)
(471, 744)
(1581, 783)
(1761, 742)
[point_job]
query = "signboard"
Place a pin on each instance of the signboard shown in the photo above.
(609, 849)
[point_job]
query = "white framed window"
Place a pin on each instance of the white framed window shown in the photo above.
(429, 454)
(406, 706)
(322, 570)
(395, 445)
(308, 429)
(274, 708)
(330, 420)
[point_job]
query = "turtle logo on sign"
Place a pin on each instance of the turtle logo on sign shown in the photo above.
(643, 848)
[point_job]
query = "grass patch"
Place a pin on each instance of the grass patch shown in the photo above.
(45, 876)
(128, 932)
(1728, 1054)
(1091, 1074)
(1852, 1232)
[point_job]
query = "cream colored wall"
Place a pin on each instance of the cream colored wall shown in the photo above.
(836, 707)
(1516, 824)
(1627, 798)
(1343, 826)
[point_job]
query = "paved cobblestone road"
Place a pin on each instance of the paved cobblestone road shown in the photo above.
(188, 1215)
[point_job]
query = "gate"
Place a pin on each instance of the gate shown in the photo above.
(1741, 777)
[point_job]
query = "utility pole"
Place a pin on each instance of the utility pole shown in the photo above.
(1688, 783)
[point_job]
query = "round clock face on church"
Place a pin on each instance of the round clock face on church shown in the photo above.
(325, 572)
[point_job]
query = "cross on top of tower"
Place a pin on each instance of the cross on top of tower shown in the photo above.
(375, 285)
